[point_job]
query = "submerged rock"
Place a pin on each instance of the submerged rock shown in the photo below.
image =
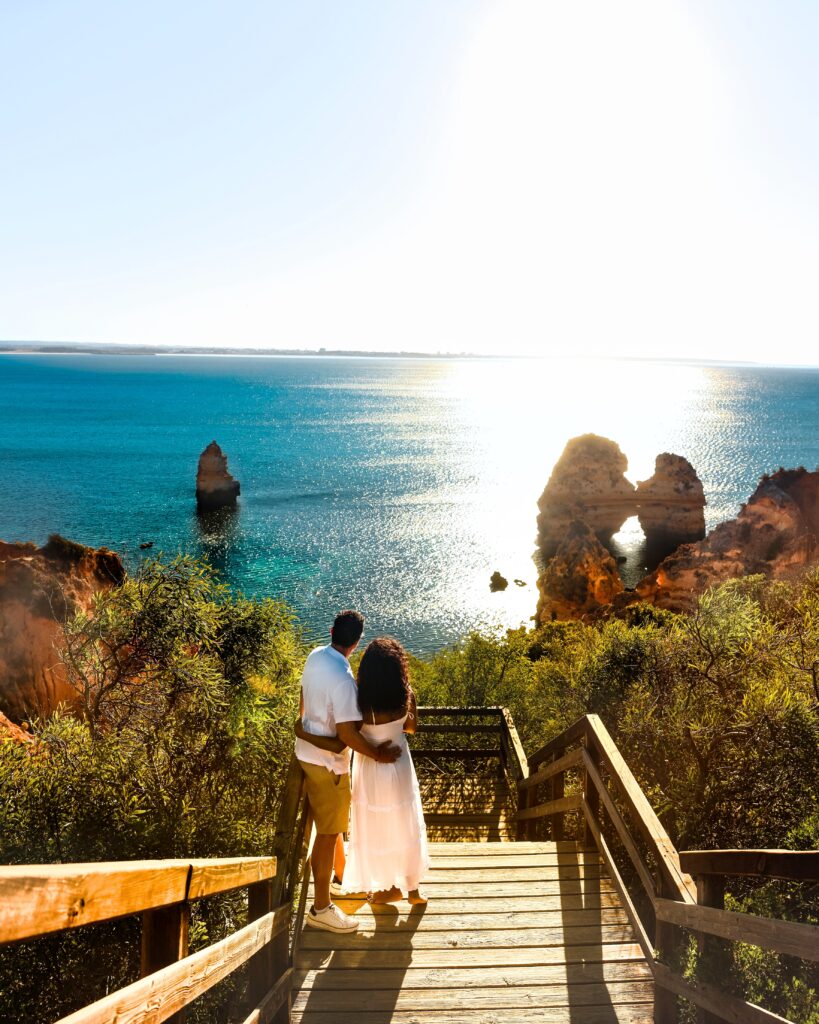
(580, 580)
(215, 487)
(40, 588)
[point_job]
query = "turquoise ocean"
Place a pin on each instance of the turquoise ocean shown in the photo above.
(393, 485)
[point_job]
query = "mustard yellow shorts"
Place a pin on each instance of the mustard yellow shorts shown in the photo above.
(329, 796)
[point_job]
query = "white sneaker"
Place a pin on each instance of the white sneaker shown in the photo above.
(336, 888)
(331, 919)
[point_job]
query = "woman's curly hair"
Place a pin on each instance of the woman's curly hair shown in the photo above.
(383, 677)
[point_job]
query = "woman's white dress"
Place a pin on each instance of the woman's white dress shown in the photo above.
(388, 837)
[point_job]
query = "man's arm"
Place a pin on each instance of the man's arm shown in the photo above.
(348, 733)
(331, 743)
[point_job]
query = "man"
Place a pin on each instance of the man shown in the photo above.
(329, 707)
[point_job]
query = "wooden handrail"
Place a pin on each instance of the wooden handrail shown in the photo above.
(788, 937)
(796, 865)
(158, 996)
(38, 899)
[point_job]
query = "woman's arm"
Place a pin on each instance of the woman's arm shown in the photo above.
(331, 743)
(411, 723)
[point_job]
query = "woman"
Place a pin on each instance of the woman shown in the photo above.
(388, 850)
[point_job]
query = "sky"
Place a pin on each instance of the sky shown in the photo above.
(533, 177)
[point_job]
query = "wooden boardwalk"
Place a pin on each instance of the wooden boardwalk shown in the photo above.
(513, 932)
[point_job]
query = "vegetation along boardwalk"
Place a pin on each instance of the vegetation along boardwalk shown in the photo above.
(555, 895)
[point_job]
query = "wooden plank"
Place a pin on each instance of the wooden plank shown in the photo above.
(36, 899)
(558, 902)
(501, 939)
(636, 1013)
(443, 712)
(709, 997)
(310, 959)
(503, 890)
(576, 869)
(490, 998)
(565, 803)
(798, 865)
(154, 999)
(369, 923)
(467, 727)
(444, 753)
(275, 999)
(480, 849)
(570, 760)
(801, 940)
(434, 818)
(535, 860)
(224, 873)
(620, 826)
(460, 979)
(642, 812)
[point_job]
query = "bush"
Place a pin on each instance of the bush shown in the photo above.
(186, 697)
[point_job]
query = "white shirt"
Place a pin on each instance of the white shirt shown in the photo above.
(330, 695)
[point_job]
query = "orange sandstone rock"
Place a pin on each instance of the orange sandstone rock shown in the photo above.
(40, 588)
(580, 580)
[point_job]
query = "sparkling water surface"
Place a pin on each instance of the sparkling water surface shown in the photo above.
(393, 485)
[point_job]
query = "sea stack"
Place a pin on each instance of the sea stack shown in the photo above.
(587, 483)
(215, 487)
(671, 502)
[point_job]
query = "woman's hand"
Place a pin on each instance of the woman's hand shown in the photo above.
(298, 729)
(411, 723)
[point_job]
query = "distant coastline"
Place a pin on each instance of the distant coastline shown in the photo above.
(55, 348)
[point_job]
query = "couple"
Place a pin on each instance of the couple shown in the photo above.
(388, 840)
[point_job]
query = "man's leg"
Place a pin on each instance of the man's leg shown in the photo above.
(324, 847)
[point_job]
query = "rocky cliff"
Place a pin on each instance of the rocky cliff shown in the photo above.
(775, 534)
(39, 589)
(215, 487)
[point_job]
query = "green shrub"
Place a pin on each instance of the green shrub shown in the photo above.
(186, 697)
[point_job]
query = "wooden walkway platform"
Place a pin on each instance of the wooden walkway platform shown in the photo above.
(513, 932)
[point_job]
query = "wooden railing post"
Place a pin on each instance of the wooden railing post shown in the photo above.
(710, 893)
(666, 942)
(556, 791)
(260, 965)
(590, 793)
(164, 941)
